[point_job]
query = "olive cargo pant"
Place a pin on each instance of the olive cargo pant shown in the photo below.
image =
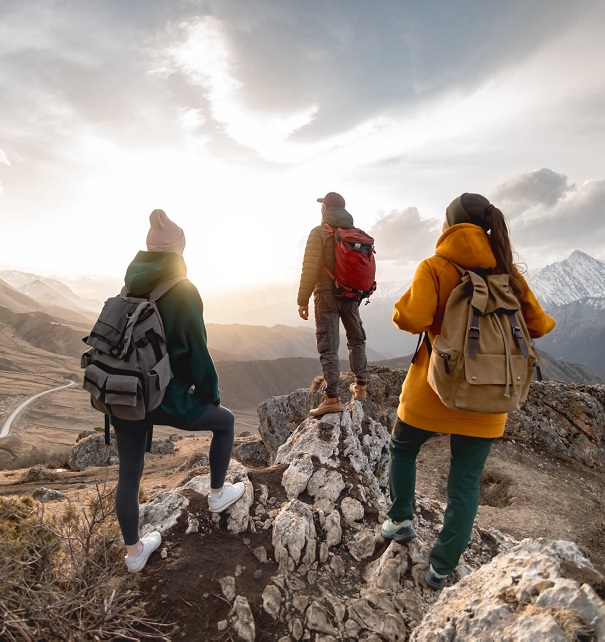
(468, 456)
(329, 310)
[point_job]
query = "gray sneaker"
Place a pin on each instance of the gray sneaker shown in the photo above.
(400, 531)
(435, 580)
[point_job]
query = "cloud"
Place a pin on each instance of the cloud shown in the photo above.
(550, 217)
(205, 57)
(522, 192)
(403, 238)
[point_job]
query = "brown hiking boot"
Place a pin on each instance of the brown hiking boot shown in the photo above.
(359, 391)
(328, 404)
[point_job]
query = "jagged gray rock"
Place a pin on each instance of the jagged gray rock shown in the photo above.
(252, 453)
(279, 416)
(91, 450)
(337, 578)
(536, 591)
(563, 419)
(39, 473)
(48, 495)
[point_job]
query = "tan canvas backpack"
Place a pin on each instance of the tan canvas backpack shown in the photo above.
(483, 360)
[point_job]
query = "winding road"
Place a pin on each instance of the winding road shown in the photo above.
(5, 431)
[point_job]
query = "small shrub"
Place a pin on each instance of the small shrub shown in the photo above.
(62, 579)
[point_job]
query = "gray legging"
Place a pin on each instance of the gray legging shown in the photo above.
(131, 440)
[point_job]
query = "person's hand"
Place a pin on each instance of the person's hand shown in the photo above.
(303, 312)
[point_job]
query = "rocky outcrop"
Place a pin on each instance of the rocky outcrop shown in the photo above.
(336, 577)
(564, 420)
(539, 590)
(280, 416)
(91, 450)
(325, 572)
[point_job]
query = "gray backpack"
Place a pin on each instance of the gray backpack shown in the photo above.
(127, 369)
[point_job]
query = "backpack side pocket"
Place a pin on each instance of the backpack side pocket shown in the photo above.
(442, 368)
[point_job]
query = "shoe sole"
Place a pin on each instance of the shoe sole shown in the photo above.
(433, 585)
(400, 538)
(327, 412)
(226, 506)
(140, 568)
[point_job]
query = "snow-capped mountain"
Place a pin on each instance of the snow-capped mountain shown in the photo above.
(573, 293)
(575, 278)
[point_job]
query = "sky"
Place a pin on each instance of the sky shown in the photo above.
(234, 116)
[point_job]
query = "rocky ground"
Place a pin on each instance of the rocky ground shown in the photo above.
(300, 556)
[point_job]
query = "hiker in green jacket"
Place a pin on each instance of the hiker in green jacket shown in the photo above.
(191, 401)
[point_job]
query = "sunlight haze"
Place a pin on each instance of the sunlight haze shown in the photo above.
(234, 117)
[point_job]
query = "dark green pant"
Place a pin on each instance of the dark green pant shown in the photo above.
(468, 456)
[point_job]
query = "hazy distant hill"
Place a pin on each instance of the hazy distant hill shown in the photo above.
(47, 290)
(276, 305)
(17, 301)
(552, 369)
(249, 342)
(245, 384)
(580, 333)
(44, 331)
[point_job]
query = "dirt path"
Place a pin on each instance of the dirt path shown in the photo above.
(5, 431)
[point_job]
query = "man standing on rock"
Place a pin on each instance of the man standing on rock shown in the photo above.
(329, 308)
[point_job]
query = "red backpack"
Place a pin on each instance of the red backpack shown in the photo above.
(354, 265)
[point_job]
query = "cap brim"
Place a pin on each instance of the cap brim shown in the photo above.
(320, 200)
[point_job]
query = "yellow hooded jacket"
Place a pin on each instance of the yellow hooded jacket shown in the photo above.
(421, 309)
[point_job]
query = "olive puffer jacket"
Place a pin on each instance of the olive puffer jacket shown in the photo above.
(313, 277)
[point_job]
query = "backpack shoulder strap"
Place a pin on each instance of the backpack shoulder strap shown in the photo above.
(159, 291)
(329, 228)
(458, 267)
(163, 287)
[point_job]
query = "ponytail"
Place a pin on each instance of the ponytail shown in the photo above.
(482, 213)
(499, 240)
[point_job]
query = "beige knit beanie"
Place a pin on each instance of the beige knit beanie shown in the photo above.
(164, 235)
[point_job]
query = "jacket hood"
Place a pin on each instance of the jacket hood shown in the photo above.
(468, 245)
(337, 217)
(149, 269)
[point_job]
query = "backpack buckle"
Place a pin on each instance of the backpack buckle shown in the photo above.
(473, 337)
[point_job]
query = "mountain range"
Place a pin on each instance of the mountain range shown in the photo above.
(573, 293)
(46, 315)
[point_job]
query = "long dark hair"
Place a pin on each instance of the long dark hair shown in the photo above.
(481, 212)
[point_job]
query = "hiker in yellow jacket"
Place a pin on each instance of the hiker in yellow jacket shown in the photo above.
(475, 235)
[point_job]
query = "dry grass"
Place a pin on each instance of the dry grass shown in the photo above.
(63, 577)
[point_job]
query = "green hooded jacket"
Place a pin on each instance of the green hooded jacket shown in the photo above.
(195, 382)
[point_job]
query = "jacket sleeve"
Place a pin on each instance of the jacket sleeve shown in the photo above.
(311, 268)
(205, 377)
(416, 309)
(537, 321)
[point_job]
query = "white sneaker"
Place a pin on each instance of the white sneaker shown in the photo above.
(150, 542)
(229, 495)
